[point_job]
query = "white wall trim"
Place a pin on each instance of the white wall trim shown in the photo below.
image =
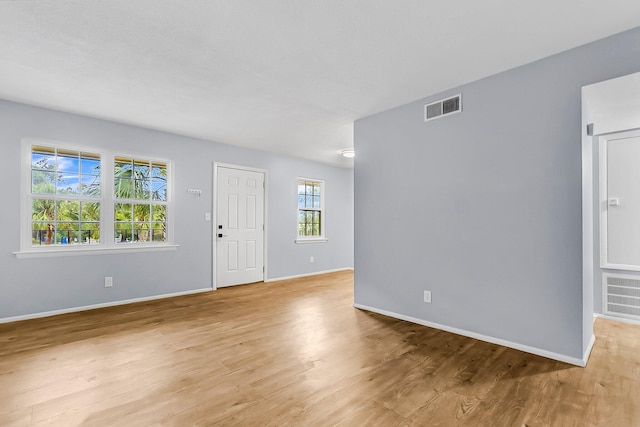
(316, 273)
(617, 319)
(533, 350)
(74, 250)
(587, 352)
(310, 240)
(101, 305)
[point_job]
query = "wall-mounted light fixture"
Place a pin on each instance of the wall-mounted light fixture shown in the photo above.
(348, 152)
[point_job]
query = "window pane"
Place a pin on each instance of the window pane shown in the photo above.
(316, 229)
(43, 182)
(90, 185)
(308, 202)
(89, 232)
(43, 158)
(68, 172)
(68, 210)
(316, 189)
(159, 190)
(90, 211)
(43, 210)
(90, 165)
(66, 232)
(159, 213)
(39, 233)
(122, 172)
(309, 230)
(141, 212)
(159, 181)
(141, 232)
(68, 162)
(159, 170)
(123, 232)
(123, 212)
(123, 188)
(67, 183)
(122, 168)
(316, 202)
(158, 232)
(142, 183)
(141, 189)
(141, 170)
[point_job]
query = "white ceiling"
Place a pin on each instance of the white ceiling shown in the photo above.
(288, 76)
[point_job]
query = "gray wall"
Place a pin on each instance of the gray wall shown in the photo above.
(483, 208)
(31, 286)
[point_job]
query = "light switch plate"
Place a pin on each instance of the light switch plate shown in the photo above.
(427, 296)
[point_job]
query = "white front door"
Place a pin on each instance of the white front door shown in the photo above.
(621, 201)
(239, 229)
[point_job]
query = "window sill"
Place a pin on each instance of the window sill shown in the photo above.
(312, 240)
(62, 251)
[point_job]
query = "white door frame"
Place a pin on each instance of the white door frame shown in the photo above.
(214, 229)
(600, 118)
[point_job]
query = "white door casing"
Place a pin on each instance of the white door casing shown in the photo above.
(620, 201)
(239, 227)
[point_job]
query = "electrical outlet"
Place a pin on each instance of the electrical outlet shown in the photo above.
(311, 259)
(427, 296)
(108, 282)
(207, 216)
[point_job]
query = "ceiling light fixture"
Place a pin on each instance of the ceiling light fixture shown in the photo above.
(348, 152)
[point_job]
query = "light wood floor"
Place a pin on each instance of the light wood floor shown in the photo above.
(297, 353)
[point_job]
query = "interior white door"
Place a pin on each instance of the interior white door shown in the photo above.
(240, 226)
(623, 201)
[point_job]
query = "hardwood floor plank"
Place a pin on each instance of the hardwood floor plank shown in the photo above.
(296, 353)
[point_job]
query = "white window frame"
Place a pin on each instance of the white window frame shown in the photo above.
(107, 243)
(323, 237)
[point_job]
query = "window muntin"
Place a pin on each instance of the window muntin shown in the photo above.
(65, 196)
(140, 191)
(310, 208)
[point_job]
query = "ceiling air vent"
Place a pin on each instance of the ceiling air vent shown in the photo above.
(443, 107)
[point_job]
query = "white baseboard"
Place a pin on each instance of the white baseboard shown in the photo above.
(276, 279)
(102, 305)
(617, 319)
(587, 352)
(533, 350)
